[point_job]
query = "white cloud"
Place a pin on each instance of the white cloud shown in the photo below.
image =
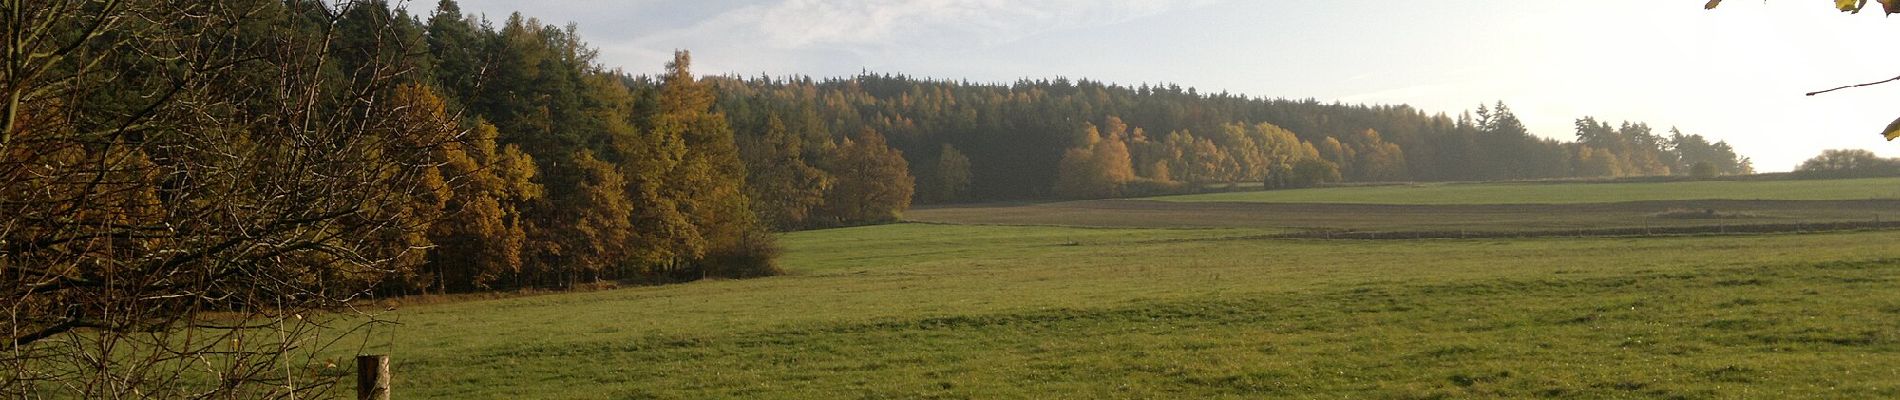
(798, 23)
(871, 30)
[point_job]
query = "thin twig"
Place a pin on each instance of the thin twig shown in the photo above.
(1897, 78)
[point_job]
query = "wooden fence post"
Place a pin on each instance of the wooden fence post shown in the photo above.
(372, 377)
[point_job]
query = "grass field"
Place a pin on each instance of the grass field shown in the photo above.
(1294, 217)
(1484, 208)
(1171, 299)
(1568, 193)
(946, 311)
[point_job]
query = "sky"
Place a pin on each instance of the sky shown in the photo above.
(1737, 73)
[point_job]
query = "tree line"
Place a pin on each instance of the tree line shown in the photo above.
(1847, 163)
(605, 175)
(602, 175)
(1070, 139)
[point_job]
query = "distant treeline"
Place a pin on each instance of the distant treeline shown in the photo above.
(1847, 163)
(1064, 139)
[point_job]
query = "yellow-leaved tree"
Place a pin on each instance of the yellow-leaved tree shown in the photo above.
(1098, 166)
(873, 182)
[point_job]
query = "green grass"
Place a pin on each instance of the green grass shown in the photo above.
(1290, 217)
(945, 311)
(1568, 193)
(859, 249)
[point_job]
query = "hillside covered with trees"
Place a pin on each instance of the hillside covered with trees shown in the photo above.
(537, 166)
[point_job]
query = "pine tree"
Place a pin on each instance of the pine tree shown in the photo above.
(457, 50)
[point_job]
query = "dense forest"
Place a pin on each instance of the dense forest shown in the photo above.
(653, 175)
(536, 166)
(1062, 138)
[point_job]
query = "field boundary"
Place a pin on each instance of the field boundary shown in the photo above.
(1723, 229)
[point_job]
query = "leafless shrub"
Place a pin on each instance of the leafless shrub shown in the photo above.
(189, 193)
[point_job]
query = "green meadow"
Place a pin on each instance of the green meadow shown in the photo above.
(983, 311)
(1568, 192)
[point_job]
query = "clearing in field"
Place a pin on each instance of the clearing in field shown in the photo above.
(944, 310)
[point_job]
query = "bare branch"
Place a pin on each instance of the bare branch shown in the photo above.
(1897, 78)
